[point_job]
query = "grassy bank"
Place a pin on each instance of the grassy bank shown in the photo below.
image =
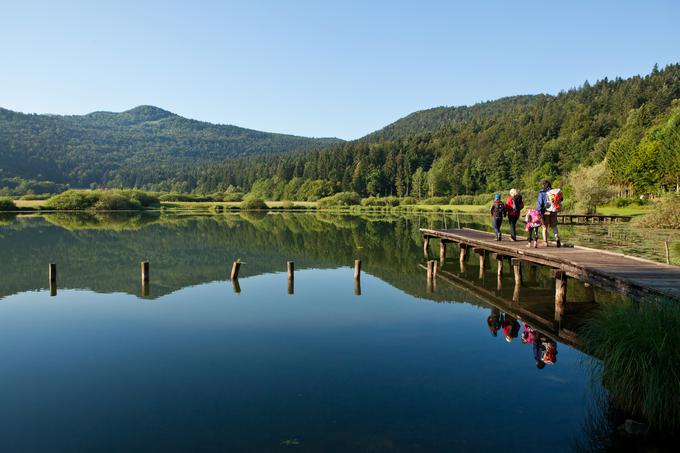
(637, 346)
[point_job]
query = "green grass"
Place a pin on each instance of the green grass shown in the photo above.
(627, 210)
(638, 348)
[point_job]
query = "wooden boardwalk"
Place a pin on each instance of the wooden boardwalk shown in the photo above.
(634, 276)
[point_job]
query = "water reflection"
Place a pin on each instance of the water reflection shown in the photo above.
(241, 365)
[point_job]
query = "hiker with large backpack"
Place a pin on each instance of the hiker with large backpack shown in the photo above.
(549, 204)
(513, 208)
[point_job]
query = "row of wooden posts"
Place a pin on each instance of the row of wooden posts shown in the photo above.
(235, 268)
(560, 276)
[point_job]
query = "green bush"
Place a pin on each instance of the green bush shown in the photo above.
(621, 202)
(232, 196)
(463, 199)
(73, 200)
(253, 204)
(407, 201)
(340, 199)
(7, 204)
(380, 201)
(116, 201)
(637, 347)
(102, 200)
(184, 197)
(434, 201)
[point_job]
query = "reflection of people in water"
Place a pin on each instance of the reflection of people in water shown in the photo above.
(545, 349)
(494, 322)
(510, 327)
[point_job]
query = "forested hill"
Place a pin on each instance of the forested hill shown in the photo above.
(130, 148)
(633, 123)
(431, 120)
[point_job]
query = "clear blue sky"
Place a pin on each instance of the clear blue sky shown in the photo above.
(340, 69)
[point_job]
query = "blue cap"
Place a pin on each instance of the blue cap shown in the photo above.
(498, 195)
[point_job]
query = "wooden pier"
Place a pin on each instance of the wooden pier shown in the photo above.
(633, 276)
(591, 218)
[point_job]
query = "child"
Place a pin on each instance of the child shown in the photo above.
(497, 213)
(533, 221)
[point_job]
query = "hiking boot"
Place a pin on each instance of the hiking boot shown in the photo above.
(547, 244)
(513, 238)
(559, 243)
(536, 244)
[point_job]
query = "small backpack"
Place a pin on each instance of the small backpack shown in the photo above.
(517, 203)
(555, 200)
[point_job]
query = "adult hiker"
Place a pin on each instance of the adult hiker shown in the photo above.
(513, 207)
(549, 204)
(497, 213)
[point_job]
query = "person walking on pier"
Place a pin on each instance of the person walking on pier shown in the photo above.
(497, 213)
(514, 206)
(548, 205)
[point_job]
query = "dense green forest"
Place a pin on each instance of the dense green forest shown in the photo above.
(634, 124)
(630, 127)
(46, 153)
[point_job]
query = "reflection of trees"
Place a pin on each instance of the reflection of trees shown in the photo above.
(102, 251)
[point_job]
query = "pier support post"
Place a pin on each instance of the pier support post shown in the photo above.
(145, 289)
(235, 284)
(430, 270)
(290, 267)
(357, 269)
(144, 267)
(482, 262)
(52, 277)
(499, 261)
(235, 268)
(357, 287)
(517, 268)
(560, 293)
(442, 250)
(426, 246)
(291, 286)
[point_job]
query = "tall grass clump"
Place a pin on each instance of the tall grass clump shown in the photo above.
(637, 348)
(7, 204)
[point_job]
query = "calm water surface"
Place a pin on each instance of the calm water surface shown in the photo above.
(198, 364)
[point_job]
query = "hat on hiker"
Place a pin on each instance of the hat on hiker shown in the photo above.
(498, 195)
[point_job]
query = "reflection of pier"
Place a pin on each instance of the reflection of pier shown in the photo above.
(535, 309)
(613, 271)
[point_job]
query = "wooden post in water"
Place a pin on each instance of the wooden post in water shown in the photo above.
(517, 268)
(426, 246)
(430, 270)
(499, 261)
(145, 288)
(235, 268)
(52, 277)
(357, 269)
(442, 250)
(357, 287)
(235, 284)
(144, 267)
(290, 265)
(560, 293)
(482, 262)
(435, 268)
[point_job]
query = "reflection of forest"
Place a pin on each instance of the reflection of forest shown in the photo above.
(102, 252)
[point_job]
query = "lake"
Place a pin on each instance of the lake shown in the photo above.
(196, 362)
